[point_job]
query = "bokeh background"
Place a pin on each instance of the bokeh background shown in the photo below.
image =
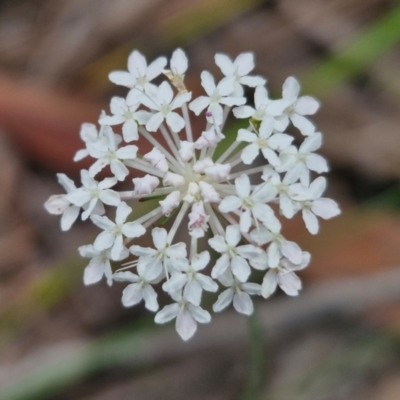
(339, 340)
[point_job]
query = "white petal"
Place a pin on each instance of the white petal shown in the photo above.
(221, 266)
(280, 141)
(123, 210)
(119, 170)
(245, 220)
(133, 229)
(114, 120)
(250, 153)
(292, 251)
(302, 124)
(243, 187)
(208, 83)
(130, 131)
(207, 283)
(306, 105)
(175, 121)
(167, 313)
(233, 235)
(176, 282)
(118, 248)
(218, 244)
(104, 240)
(154, 122)
(318, 187)
(260, 97)
(242, 303)
(150, 298)
(155, 68)
(199, 104)
(179, 61)
(94, 271)
(273, 255)
(109, 197)
(122, 78)
(271, 156)
(132, 295)
(325, 208)
(311, 143)
(79, 197)
(137, 63)
(252, 81)
(225, 64)
(244, 63)
(159, 236)
(199, 314)
(240, 268)
(186, 326)
(243, 112)
(291, 89)
(252, 288)
(102, 222)
(269, 284)
(317, 163)
(311, 222)
(192, 292)
(290, 283)
(246, 136)
(224, 299)
(230, 203)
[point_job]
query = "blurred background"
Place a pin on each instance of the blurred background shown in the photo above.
(339, 340)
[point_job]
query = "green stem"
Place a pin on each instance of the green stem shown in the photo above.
(257, 368)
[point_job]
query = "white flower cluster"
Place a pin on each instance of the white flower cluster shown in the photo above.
(210, 196)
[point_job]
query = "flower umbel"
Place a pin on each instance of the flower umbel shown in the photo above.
(227, 203)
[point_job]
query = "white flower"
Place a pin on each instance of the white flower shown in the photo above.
(178, 67)
(217, 95)
(186, 150)
(90, 136)
(284, 276)
(198, 220)
(263, 109)
(59, 205)
(209, 194)
(313, 205)
(145, 185)
(165, 257)
(233, 256)
(239, 70)
(296, 107)
(140, 74)
(197, 185)
(125, 112)
(187, 315)
(164, 104)
(112, 237)
(238, 292)
(191, 280)
(99, 264)
(140, 289)
(279, 246)
(171, 179)
(110, 154)
(93, 194)
(266, 141)
(209, 138)
(252, 206)
(299, 162)
(157, 159)
(170, 202)
(287, 205)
